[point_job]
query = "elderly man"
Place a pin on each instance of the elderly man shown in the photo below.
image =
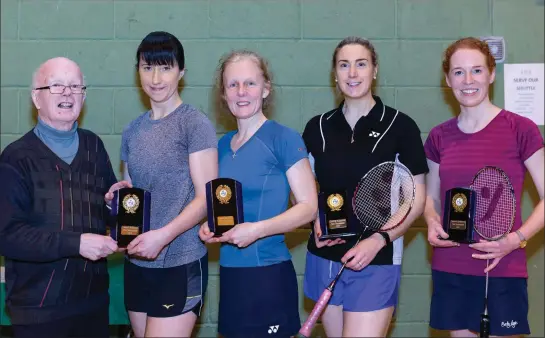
(52, 218)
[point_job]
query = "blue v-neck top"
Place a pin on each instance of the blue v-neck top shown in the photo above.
(260, 165)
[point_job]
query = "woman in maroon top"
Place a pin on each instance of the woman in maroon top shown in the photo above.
(482, 134)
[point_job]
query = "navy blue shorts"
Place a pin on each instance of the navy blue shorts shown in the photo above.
(259, 301)
(458, 302)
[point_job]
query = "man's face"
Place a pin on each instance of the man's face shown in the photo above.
(59, 110)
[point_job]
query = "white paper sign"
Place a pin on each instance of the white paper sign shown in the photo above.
(523, 89)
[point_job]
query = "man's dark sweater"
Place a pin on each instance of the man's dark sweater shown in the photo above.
(45, 206)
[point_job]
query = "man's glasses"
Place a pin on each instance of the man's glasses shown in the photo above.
(59, 89)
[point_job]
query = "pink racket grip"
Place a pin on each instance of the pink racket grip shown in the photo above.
(307, 327)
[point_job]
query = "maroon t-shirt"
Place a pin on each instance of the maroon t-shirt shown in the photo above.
(506, 142)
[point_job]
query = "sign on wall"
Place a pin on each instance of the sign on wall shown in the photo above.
(523, 89)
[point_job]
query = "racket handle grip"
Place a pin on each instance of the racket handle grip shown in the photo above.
(485, 326)
(308, 325)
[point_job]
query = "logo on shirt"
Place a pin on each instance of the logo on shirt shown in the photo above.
(509, 324)
(273, 329)
(374, 134)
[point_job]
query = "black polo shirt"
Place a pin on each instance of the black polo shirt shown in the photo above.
(342, 157)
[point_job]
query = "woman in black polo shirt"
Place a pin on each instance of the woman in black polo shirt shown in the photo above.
(345, 143)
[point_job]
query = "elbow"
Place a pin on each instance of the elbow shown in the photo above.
(312, 212)
(307, 211)
(419, 208)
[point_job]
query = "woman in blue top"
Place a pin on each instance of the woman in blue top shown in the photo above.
(258, 285)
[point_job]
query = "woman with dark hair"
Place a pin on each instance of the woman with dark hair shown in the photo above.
(171, 151)
(345, 144)
(481, 135)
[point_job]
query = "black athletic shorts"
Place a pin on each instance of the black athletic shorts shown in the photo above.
(166, 292)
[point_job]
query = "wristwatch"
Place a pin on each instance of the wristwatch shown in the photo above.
(386, 237)
(523, 240)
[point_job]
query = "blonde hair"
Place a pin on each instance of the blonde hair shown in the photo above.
(355, 40)
(235, 56)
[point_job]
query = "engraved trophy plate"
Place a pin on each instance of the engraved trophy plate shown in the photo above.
(459, 214)
(224, 205)
(131, 208)
(334, 215)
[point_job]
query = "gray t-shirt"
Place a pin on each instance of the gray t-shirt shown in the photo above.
(157, 154)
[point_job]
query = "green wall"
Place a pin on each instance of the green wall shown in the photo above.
(298, 37)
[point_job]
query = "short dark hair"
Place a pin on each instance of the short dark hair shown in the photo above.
(160, 48)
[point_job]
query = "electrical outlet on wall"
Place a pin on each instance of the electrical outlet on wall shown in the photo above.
(497, 47)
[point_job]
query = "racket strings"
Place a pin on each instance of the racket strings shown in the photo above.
(495, 204)
(384, 197)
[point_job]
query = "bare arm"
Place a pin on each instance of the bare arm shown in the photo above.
(433, 185)
(304, 210)
(496, 250)
(534, 223)
(362, 254)
(126, 175)
(416, 211)
(303, 186)
(311, 164)
(203, 166)
(432, 208)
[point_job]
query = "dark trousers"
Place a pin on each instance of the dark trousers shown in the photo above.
(94, 324)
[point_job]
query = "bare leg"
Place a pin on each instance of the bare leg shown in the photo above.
(462, 334)
(332, 319)
(138, 323)
(367, 324)
(467, 333)
(178, 326)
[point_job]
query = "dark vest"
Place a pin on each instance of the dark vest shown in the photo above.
(64, 198)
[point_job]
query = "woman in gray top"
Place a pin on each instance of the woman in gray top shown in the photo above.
(171, 151)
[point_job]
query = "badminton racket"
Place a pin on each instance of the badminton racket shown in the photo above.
(495, 206)
(382, 201)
